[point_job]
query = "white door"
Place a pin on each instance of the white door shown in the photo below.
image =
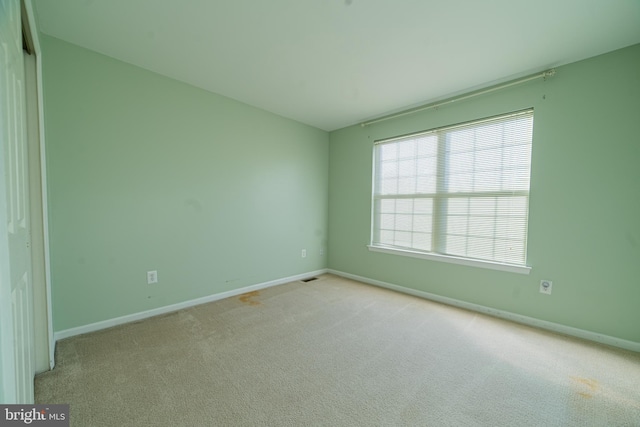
(16, 299)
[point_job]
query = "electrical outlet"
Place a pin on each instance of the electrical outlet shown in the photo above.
(321, 251)
(545, 287)
(152, 277)
(304, 253)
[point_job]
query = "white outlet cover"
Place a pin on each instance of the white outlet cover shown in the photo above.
(546, 286)
(152, 277)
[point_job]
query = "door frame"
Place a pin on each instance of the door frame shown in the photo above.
(32, 30)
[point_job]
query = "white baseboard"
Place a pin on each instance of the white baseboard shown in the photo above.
(530, 321)
(92, 327)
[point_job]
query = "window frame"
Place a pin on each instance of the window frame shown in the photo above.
(436, 251)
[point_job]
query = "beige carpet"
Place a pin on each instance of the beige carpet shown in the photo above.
(335, 352)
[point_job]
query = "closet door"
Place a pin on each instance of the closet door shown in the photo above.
(16, 293)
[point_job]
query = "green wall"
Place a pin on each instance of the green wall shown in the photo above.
(584, 220)
(147, 173)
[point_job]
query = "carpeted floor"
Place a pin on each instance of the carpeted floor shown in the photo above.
(335, 352)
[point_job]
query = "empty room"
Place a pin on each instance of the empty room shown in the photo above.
(322, 212)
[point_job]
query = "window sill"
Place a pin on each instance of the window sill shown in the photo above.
(520, 269)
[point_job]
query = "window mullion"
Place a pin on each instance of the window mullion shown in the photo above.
(415, 190)
(439, 224)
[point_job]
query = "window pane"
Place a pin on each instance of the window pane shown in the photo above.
(389, 186)
(426, 184)
(427, 146)
(394, 218)
(422, 223)
(511, 251)
(460, 183)
(422, 241)
(482, 206)
(458, 206)
(388, 152)
(387, 206)
(386, 237)
(404, 222)
(480, 248)
(517, 155)
(406, 186)
(407, 168)
(488, 159)
(483, 226)
(488, 180)
(461, 162)
(461, 140)
(424, 206)
(389, 170)
(404, 206)
(456, 245)
(402, 239)
(489, 136)
(457, 225)
(514, 205)
(387, 221)
(427, 166)
(407, 149)
(510, 227)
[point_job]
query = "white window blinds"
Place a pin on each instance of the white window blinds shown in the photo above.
(461, 190)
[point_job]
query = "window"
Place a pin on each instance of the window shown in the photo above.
(461, 192)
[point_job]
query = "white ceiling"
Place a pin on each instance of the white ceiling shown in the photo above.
(334, 63)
